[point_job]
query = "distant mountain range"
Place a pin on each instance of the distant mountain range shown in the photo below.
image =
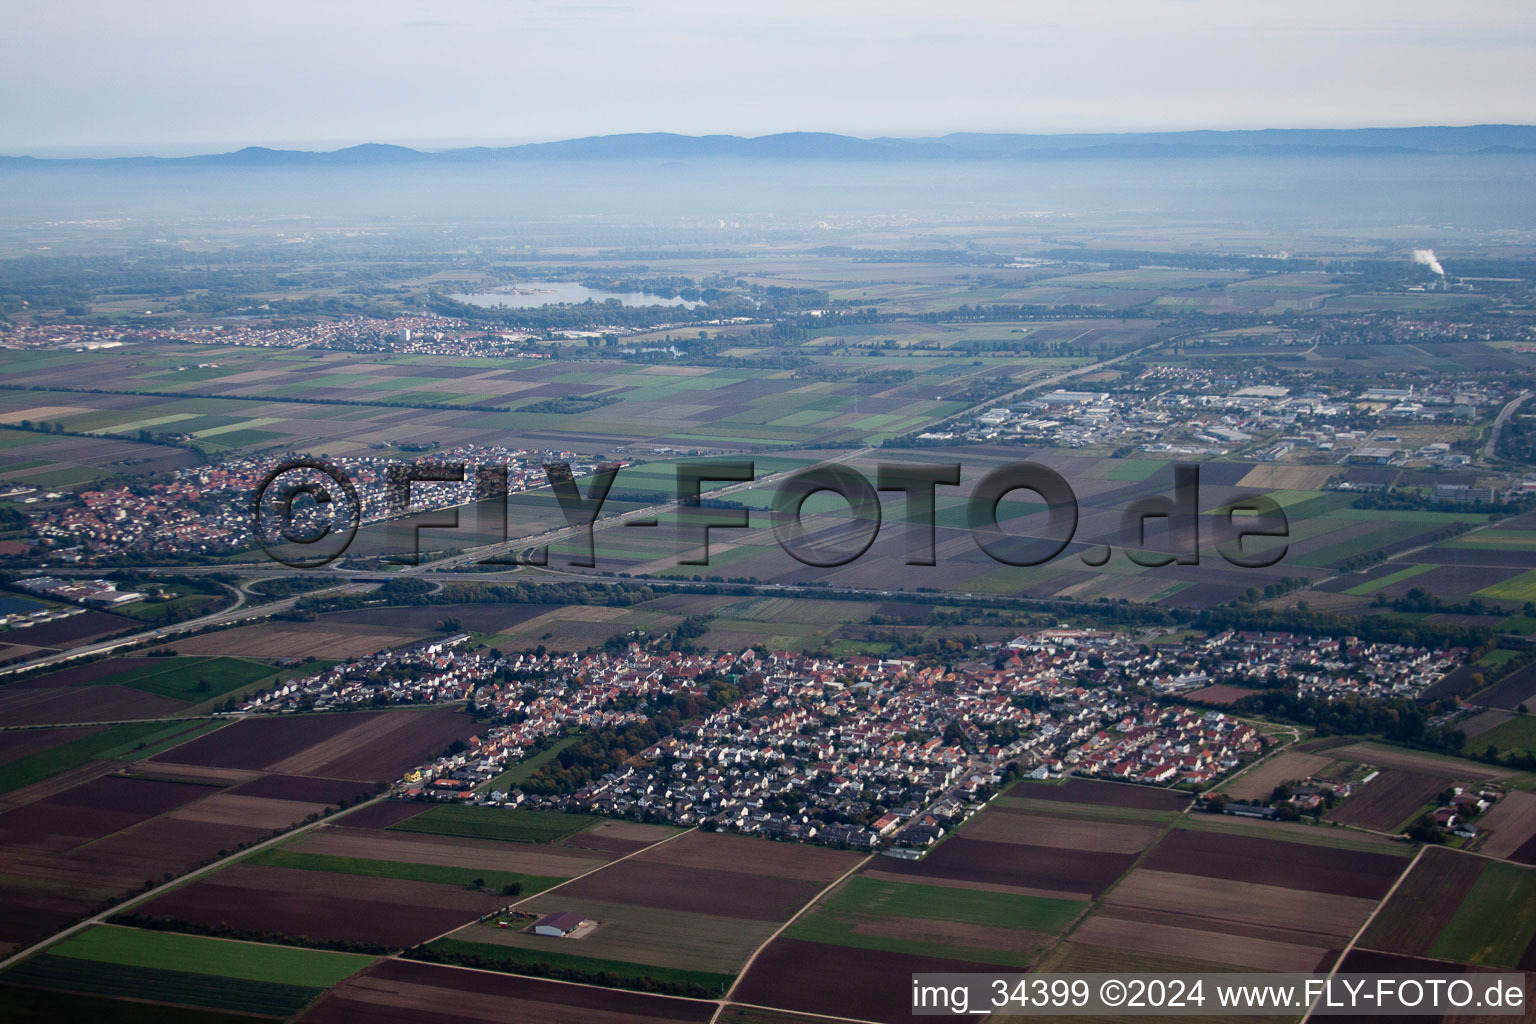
(1488, 138)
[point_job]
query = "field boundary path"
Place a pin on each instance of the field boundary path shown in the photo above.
(777, 931)
(133, 901)
(545, 892)
(1363, 926)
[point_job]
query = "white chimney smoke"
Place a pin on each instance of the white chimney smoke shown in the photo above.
(1427, 258)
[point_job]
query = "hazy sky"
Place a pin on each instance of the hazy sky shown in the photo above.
(169, 76)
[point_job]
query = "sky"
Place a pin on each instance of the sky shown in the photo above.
(103, 77)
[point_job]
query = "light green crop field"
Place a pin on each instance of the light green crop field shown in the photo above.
(200, 954)
(192, 679)
(524, 769)
(1495, 923)
(1514, 735)
(134, 739)
(948, 903)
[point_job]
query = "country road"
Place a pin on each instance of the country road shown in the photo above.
(1492, 447)
(238, 612)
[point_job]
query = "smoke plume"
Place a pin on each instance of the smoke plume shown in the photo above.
(1427, 258)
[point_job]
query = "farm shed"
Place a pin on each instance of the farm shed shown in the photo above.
(557, 924)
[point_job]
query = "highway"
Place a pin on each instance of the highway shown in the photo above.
(240, 612)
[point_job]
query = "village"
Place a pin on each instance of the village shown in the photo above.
(857, 751)
(1233, 663)
(204, 510)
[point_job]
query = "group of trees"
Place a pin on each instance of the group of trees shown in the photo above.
(601, 752)
(1399, 719)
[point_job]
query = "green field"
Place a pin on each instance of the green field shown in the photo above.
(442, 874)
(198, 954)
(513, 826)
(853, 931)
(1517, 588)
(193, 597)
(1518, 733)
(1362, 589)
(168, 736)
(114, 741)
(1495, 923)
(612, 973)
(189, 679)
(851, 917)
(947, 903)
(91, 977)
(524, 769)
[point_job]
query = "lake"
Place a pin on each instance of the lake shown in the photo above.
(533, 294)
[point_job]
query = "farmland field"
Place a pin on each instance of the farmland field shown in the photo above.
(1412, 760)
(267, 998)
(1235, 892)
(349, 840)
(1259, 782)
(1004, 824)
(1274, 862)
(517, 826)
(408, 990)
(880, 914)
(632, 934)
(1071, 873)
(744, 854)
(136, 948)
(730, 893)
(1103, 794)
(1496, 920)
(1512, 823)
(76, 747)
(368, 746)
(460, 876)
(1299, 832)
(1423, 904)
(38, 705)
(323, 905)
(1241, 903)
(828, 979)
(1118, 930)
(1515, 735)
(560, 963)
(684, 915)
(45, 1006)
(1388, 801)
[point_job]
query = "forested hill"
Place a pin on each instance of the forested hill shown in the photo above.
(824, 146)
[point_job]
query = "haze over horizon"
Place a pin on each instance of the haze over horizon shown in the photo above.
(1447, 138)
(88, 78)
